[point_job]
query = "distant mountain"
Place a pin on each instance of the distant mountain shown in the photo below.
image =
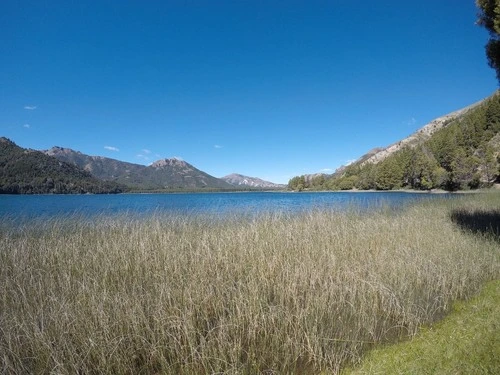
(250, 182)
(171, 174)
(24, 171)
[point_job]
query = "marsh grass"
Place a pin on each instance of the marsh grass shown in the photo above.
(272, 294)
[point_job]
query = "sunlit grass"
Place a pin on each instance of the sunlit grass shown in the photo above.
(276, 294)
(466, 342)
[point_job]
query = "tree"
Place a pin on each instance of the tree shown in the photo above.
(489, 18)
(389, 174)
(297, 183)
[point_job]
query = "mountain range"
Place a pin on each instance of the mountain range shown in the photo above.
(32, 171)
(170, 174)
(164, 174)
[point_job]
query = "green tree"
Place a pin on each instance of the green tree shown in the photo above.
(489, 18)
(389, 174)
(488, 163)
(318, 182)
(420, 170)
(367, 177)
(297, 183)
(348, 183)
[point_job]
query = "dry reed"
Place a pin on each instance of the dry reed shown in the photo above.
(273, 294)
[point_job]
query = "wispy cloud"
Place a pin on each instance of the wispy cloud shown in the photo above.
(326, 170)
(27, 126)
(412, 121)
(146, 151)
(30, 107)
(142, 157)
(217, 146)
(111, 148)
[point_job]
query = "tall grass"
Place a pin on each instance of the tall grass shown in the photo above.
(273, 294)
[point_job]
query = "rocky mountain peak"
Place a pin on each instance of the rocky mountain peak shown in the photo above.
(6, 140)
(56, 150)
(171, 162)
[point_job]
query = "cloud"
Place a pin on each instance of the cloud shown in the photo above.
(111, 148)
(326, 170)
(27, 126)
(141, 156)
(178, 158)
(217, 146)
(30, 107)
(411, 121)
(146, 151)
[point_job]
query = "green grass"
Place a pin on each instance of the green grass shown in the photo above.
(275, 294)
(466, 342)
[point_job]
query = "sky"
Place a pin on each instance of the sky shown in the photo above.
(268, 89)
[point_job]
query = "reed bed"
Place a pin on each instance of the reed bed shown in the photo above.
(273, 294)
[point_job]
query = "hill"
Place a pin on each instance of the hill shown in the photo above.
(458, 151)
(24, 171)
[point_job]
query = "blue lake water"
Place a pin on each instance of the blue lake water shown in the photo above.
(41, 206)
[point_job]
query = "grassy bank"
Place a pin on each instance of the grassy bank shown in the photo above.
(465, 342)
(277, 294)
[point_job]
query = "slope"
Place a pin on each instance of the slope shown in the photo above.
(458, 151)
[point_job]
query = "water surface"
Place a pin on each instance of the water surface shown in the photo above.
(41, 206)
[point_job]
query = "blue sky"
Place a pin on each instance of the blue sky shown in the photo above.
(271, 89)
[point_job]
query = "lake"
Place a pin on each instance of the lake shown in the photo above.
(46, 206)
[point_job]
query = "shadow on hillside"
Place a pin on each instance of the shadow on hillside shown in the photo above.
(480, 222)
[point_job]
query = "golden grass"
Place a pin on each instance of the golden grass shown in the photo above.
(273, 294)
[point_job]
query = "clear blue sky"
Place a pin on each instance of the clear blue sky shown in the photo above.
(270, 89)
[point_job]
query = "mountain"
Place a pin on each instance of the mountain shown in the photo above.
(458, 151)
(99, 166)
(177, 174)
(250, 182)
(24, 171)
(171, 174)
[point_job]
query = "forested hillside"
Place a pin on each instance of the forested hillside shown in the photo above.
(25, 171)
(463, 155)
